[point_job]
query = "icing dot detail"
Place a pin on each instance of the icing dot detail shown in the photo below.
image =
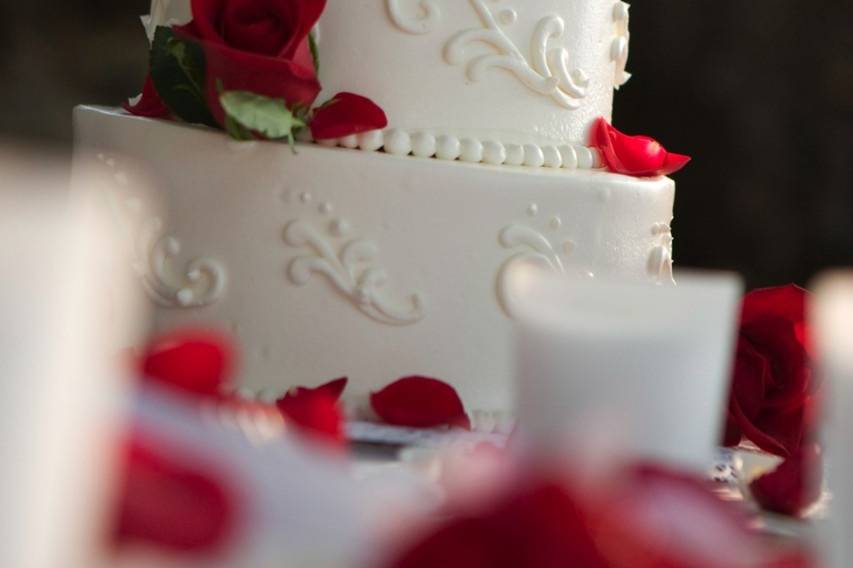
(305, 197)
(371, 141)
(398, 143)
(586, 158)
(494, 153)
(514, 155)
(569, 157)
(423, 145)
(350, 142)
(555, 223)
(552, 157)
(533, 210)
(508, 17)
(339, 228)
(533, 156)
(325, 208)
(472, 151)
(447, 148)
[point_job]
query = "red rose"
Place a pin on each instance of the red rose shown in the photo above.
(259, 46)
(792, 487)
(638, 156)
(773, 390)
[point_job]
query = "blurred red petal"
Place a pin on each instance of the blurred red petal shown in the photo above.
(198, 362)
(149, 104)
(792, 487)
(638, 156)
(420, 402)
(674, 163)
(168, 501)
(316, 411)
(345, 114)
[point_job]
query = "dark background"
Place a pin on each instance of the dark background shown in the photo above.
(759, 92)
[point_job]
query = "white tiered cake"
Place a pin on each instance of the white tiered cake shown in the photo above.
(387, 257)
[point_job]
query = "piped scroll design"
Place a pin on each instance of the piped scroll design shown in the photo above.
(420, 18)
(546, 71)
(536, 250)
(660, 260)
(352, 271)
(620, 47)
(199, 283)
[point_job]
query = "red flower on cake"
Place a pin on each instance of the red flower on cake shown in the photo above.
(793, 486)
(345, 114)
(773, 396)
(260, 46)
(316, 411)
(197, 362)
(169, 501)
(149, 103)
(638, 156)
(420, 402)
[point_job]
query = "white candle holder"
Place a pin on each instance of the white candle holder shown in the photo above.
(832, 319)
(626, 370)
(60, 393)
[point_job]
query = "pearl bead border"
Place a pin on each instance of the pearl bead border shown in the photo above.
(399, 142)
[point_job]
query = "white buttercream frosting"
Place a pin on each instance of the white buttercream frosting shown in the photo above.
(329, 262)
(510, 71)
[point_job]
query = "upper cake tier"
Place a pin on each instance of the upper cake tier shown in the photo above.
(509, 71)
(514, 72)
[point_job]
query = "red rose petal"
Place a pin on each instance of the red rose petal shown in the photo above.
(149, 104)
(793, 486)
(420, 402)
(192, 361)
(638, 156)
(316, 411)
(345, 114)
(168, 501)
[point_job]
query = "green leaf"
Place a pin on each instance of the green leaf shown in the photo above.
(178, 73)
(257, 113)
(315, 51)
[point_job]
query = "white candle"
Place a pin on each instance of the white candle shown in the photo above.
(832, 318)
(641, 370)
(59, 394)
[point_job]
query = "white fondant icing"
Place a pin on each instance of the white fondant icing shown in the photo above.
(660, 259)
(536, 249)
(425, 145)
(199, 283)
(352, 270)
(546, 69)
(416, 17)
(620, 48)
(517, 57)
(448, 148)
(436, 223)
(471, 151)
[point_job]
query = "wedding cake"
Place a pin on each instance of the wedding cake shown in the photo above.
(379, 248)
